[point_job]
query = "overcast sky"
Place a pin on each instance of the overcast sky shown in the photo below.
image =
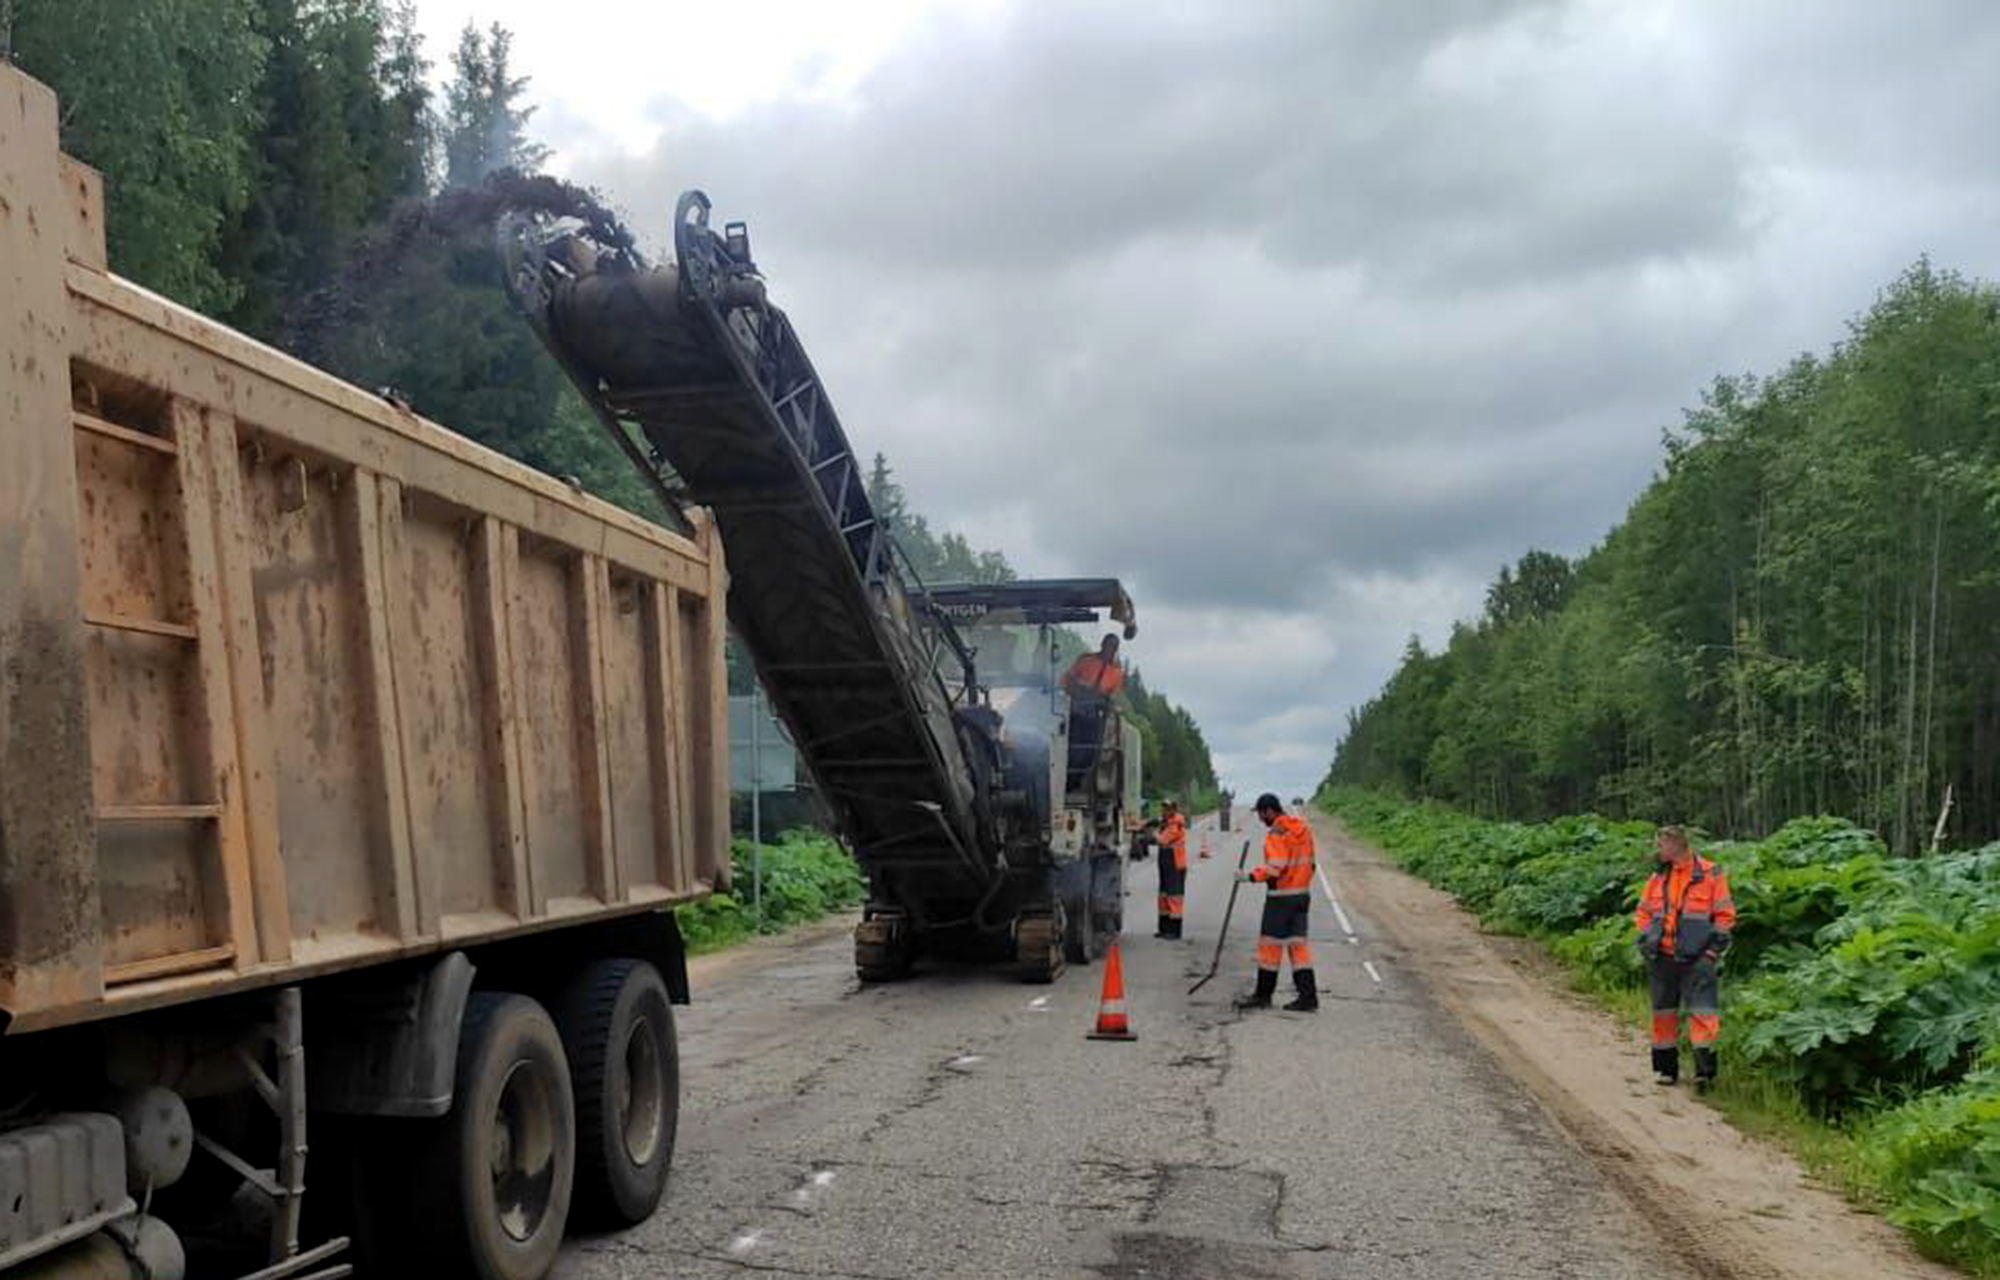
(1301, 318)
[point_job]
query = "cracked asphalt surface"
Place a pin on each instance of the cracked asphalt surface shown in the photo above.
(959, 1124)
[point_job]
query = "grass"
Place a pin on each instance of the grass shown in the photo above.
(807, 876)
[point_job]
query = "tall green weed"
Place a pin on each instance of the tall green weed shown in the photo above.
(806, 875)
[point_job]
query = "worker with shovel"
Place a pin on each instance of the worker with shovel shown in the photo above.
(1287, 875)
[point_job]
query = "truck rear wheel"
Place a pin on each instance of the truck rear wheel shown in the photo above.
(618, 1030)
(492, 1180)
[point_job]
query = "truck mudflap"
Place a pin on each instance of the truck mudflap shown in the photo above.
(391, 1040)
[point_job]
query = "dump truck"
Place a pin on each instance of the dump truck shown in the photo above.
(348, 774)
(988, 827)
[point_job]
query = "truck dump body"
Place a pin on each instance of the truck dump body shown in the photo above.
(292, 680)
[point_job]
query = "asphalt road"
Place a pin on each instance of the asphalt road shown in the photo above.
(959, 1124)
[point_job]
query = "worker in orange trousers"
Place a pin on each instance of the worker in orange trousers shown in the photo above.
(1685, 919)
(1287, 875)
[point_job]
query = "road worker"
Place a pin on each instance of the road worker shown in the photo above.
(1091, 681)
(1685, 919)
(1173, 869)
(1096, 674)
(1287, 875)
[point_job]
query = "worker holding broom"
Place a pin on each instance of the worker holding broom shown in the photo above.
(1173, 869)
(1287, 875)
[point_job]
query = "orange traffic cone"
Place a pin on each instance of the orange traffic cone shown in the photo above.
(1204, 843)
(1111, 1023)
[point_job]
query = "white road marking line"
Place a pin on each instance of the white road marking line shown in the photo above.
(966, 1060)
(745, 1242)
(1370, 966)
(1040, 1004)
(823, 1179)
(1346, 925)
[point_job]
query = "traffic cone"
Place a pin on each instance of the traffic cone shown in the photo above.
(1204, 844)
(1111, 1023)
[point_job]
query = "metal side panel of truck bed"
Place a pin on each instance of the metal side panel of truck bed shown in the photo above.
(292, 680)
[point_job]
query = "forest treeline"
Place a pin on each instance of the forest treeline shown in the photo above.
(1801, 614)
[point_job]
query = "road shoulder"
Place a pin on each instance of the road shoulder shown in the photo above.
(1740, 1208)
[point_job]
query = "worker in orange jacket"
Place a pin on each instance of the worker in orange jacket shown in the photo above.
(1096, 675)
(1287, 875)
(1685, 919)
(1173, 869)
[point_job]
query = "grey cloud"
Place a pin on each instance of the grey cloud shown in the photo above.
(1306, 317)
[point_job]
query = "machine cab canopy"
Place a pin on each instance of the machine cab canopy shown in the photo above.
(1013, 626)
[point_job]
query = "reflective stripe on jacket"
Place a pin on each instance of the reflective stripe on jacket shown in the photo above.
(1288, 857)
(1685, 910)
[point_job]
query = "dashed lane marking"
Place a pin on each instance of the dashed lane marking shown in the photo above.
(1346, 925)
(1370, 966)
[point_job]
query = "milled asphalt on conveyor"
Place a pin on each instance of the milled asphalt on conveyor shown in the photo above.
(959, 1124)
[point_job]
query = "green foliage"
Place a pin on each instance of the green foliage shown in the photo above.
(1796, 616)
(1176, 759)
(160, 96)
(485, 123)
(1900, 988)
(1863, 989)
(1936, 1159)
(807, 875)
(938, 558)
(344, 133)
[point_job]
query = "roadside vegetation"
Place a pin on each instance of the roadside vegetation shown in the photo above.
(807, 876)
(1799, 615)
(1861, 1002)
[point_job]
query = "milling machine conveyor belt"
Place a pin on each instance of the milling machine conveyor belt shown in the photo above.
(719, 385)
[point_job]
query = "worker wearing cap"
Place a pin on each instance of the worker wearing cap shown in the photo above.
(1173, 869)
(1685, 919)
(1286, 874)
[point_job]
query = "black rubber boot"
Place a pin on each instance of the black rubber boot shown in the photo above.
(1666, 1066)
(1174, 928)
(1165, 930)
(1308, 997)
(1267, 982)
(1704, 1068)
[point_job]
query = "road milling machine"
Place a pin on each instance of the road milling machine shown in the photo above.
(988, 806)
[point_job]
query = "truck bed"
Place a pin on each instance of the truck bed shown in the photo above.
(293, 680)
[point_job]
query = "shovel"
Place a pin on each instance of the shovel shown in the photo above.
(1235, 883)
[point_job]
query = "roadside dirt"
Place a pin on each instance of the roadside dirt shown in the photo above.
(1730, 1206)
(758, 953)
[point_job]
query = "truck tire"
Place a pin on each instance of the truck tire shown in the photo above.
(624, 1064)
(490, 1183)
